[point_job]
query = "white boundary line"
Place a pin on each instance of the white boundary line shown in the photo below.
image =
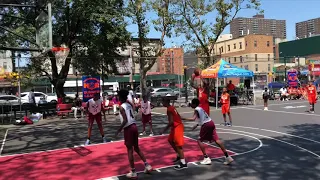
(195, 163)
(299, 137)
(294, 145)
(286, 112)
(50, 150)
(209, 144)
(3, 141)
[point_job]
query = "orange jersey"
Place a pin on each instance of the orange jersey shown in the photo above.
(175, 115)
(312, 90)
(225, 98)
(204, 100)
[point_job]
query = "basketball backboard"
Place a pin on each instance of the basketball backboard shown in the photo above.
(44, 28)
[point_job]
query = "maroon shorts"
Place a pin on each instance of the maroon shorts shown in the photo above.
(96, 117)
(146, 118)
(131, 135)
(208, 132)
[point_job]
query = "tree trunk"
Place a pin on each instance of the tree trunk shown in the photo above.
(143, 81)
(58, 85)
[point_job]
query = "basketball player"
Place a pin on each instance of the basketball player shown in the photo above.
(204, 96)
(207, 133)
(130, 130)
(146, 107)
(312, 95)
(95, 108)
(175, 138)
(225, 107)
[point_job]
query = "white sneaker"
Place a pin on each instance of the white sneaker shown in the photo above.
(228, 160)
(266, 109)
(87, 142)
(148, 169)
(104, 140)
(132, 175)
(206, 161)
(143, 133)
(151, 134)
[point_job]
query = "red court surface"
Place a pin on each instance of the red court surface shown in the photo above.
(95, 161)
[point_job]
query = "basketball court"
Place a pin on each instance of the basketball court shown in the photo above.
(282, 143)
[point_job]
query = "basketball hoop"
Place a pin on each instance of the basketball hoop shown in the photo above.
(61, 54)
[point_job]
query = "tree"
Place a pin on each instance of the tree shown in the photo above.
(92, 30)
(195, 20)
(163, 23)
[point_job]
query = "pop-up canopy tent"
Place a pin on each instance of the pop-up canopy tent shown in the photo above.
(223, 69)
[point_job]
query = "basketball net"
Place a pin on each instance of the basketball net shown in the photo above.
(61, 54)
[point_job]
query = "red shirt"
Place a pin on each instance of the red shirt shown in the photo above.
(175, 115)
(231, 87)
(204, 100)
(225, 98)
(312, 90)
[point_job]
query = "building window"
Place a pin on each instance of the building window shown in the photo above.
(234, 46)
(247, 57)
(256, 57)
(256, 67)
(255, 43)
(235, 59)
(241, 59)
(269, 67)
(5, 65)
(240, 45)
(268, 43)
(221, 49)
(228, 47)
(229, 60)
(246, 43)
(268, 57)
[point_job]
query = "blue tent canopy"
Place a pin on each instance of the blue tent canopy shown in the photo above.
(228, 70)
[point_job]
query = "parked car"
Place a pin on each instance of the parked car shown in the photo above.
(161, 92)
(10, 99)
(38, 96)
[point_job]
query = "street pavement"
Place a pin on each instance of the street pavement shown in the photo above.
(282, 143)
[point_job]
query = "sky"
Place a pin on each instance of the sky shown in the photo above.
(292, 11)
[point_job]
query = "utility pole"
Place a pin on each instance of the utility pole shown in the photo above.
(185, 68)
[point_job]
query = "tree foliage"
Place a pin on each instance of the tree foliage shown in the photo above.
(92, 30)
(162, 22)
(203, 21)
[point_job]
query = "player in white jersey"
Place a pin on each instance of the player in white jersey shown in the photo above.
(95, 108)
(130, 130)
(207, 133)
(130, 98)
(146, 107)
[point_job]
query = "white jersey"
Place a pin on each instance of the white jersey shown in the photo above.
(203, 116)
(129, 112)
(146, 107)
(130, 95)
(94, 106)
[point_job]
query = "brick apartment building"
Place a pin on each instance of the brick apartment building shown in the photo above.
(308, 28)
(171, 61)
(258, 25)
(253, 52)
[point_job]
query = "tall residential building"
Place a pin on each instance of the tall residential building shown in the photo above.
(308, 28)
(253, 52)
(258, 25)
(171, 61)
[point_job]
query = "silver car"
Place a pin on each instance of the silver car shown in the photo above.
(161, 92)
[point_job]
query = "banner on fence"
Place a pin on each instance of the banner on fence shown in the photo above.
(90, 86)
(293, 78)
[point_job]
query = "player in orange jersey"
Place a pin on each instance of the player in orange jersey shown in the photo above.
(312, 95)
(176, 136)
(225, 107)
(204, 97)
